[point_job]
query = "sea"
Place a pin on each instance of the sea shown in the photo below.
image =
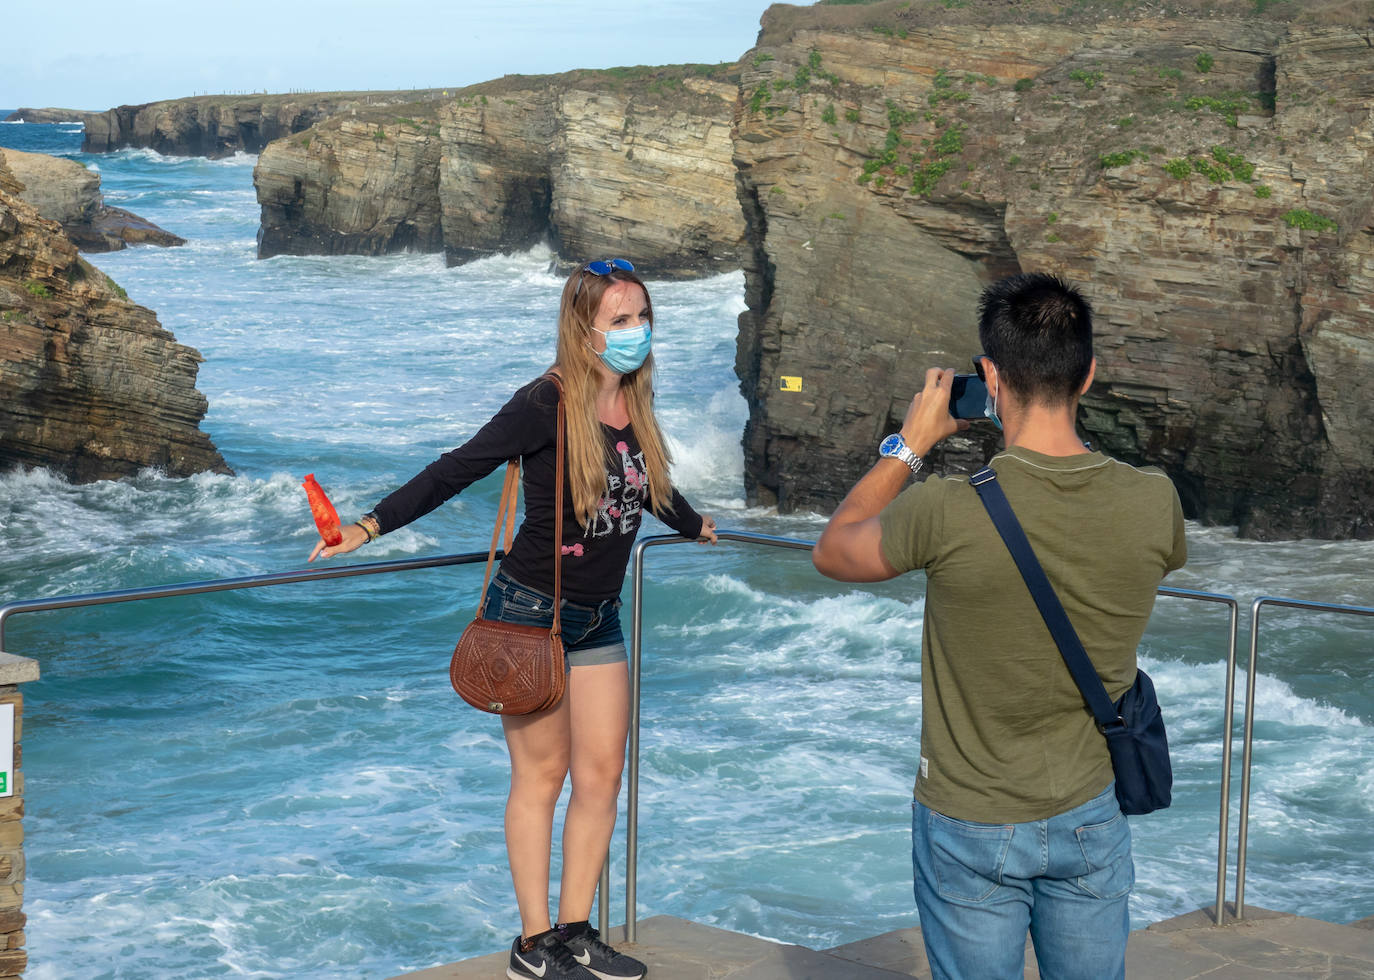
(280, 782)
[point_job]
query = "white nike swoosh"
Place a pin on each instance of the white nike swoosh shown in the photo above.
(539, 972)
(583, 957)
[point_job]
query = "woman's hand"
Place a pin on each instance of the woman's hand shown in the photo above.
(354, 538)
(708, 530)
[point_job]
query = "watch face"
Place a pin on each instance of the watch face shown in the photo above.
(890, 445)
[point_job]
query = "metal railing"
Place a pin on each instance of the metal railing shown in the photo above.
(636, 649)
(1227, 729)
(1248, 742)
(636, 645)
(230, 584)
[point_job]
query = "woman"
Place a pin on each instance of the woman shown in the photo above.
(617, 464)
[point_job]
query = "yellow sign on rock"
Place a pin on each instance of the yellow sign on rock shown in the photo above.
(789, 383)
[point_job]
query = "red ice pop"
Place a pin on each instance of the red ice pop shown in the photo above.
(326, 517)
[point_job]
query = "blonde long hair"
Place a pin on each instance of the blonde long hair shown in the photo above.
(588, 454)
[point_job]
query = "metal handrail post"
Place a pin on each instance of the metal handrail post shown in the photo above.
(636, 648)
(1228, 720)
(1242, 842)
(632, 777)
(1247, 743)
(603, 897)
(1228, 725)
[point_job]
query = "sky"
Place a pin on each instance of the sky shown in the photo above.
(86, 54)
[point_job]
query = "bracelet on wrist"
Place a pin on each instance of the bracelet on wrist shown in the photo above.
(370, 525)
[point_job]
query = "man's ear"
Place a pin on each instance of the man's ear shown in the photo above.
(1088, 383)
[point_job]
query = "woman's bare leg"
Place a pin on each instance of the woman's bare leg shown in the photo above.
(599, 723)
(540, 749)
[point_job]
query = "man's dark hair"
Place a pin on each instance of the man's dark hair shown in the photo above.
(1038, 330)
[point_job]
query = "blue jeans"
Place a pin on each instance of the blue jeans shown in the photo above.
(980, 887)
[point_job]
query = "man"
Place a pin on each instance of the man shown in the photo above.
(1016, 825)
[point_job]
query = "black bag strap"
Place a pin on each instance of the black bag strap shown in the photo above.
(1051, 609)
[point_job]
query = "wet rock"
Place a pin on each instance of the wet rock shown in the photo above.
(599, 163)
(1206, 180)
(66, 192)
(91, 385)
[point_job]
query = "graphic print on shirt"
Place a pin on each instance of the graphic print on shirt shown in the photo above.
(618, 512)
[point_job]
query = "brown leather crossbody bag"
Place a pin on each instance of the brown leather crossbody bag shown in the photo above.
(508, 668)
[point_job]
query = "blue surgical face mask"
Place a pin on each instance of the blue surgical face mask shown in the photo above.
(990, 408)
(625, 349)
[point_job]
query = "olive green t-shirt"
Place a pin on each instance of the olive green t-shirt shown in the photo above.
(1005, 735)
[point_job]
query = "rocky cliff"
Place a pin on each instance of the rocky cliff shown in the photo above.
(1206, 178)
(632, 162)
(47, 115)
(90, 385)
(221, 125)
(66, 192)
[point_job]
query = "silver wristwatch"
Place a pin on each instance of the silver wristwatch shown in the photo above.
(895, 447)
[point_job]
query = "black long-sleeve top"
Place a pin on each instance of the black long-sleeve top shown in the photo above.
(595, 557)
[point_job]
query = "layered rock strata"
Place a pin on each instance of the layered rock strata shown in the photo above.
(220, 125)
(598, 163)
(1206, 180)
(66, 192)
(356, 186)
(91, 386)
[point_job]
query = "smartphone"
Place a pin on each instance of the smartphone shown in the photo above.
(968, 397)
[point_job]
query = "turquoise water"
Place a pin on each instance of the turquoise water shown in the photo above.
(280, 782)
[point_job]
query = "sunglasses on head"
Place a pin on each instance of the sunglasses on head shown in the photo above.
(978, 366)
(602, 267)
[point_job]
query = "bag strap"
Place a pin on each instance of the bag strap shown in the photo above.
(505, 515)
(561, 429)
(1051, 609)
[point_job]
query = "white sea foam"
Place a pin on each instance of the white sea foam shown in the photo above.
(1276, 702)
(273, 732)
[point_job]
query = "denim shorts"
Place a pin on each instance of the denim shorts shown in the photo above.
(591, 634)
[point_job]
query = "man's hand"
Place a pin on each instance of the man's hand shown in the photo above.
(927, 417)
(851, 546)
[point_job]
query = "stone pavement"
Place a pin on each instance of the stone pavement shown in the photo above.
(1266, 944)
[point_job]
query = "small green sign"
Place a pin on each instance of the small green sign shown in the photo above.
(4, 782)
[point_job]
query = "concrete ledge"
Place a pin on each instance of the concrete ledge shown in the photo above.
(1187, 947)
(17, 670)
(676, 949)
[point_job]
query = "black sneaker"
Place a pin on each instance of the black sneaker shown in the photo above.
(546, 959)
(586, 946)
